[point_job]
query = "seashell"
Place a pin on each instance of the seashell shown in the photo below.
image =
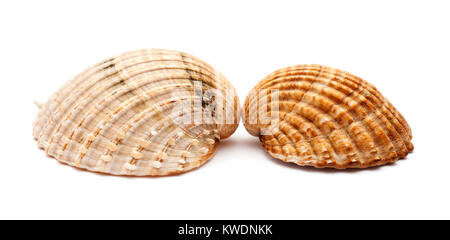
(145, 113)
(323, 117)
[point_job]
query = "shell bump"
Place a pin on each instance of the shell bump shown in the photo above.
(151, 112)
(319, 116)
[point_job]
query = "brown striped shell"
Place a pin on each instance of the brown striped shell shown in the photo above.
(320, 116)
(143, 113)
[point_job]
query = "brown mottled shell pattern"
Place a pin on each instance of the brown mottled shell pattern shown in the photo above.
(116, 117)
(326, 117)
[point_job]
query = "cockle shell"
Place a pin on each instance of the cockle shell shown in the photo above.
(145, 113)
(320, 116)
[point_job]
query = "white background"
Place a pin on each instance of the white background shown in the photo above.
(402, 47)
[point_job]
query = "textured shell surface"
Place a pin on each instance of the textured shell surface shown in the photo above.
(150, 112)
(313, 115)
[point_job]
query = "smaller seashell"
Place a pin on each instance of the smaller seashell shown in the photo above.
(324, 117)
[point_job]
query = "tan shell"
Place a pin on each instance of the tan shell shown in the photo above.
(325, 117)
(123, 116)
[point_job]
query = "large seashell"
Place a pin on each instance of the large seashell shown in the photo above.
(319, 116)
(149, 112)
